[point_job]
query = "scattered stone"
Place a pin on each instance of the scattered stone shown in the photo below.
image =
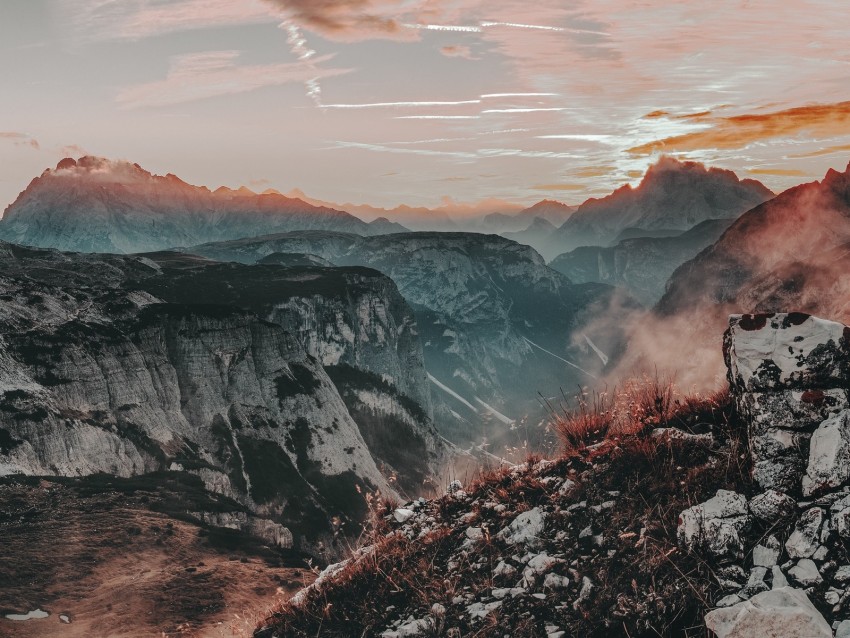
(842, 574)
(805, 539)
(755, 583)
(728, 601)
(585, 593)
(772, 505)
(843, 629)
(806, 573)
(767, 555)
(782, 612)
(411, 629)
(716, 525)
(779, 579)
(829, 455)
(525, 528)
(403, 515)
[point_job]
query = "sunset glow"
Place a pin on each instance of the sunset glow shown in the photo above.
(568, 100)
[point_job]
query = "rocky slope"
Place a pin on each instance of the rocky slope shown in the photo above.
(789, 253)
(643, 526)
(120, 365)
(98, 205)
(672, 195)
(642, 265)
(495, 322)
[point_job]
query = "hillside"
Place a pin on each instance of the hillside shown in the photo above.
(665, 515)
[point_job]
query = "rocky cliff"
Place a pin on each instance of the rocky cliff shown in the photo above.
(496, 323)
(99, 205)
(111, 365)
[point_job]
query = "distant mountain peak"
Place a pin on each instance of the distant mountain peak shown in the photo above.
(95, 204)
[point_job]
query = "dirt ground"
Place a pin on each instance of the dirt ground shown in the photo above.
(112, 566)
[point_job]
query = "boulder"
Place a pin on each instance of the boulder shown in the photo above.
(786, 351)
(715, 525)
(788, 373)
(772, 505)
(780, 613)
(805, 539)
(829, 455)
(806, 573)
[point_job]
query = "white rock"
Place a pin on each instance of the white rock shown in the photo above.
(715, 524)
(438, 610)
(411, 629)
(525, 528)
(584, 593)
(842, 574)
(781, 351)
(779, 613)
(806, 573)
(555, 581)
(779, 579)
(766, 555)
(829, 455)
(480, 610)
(843, 629)
(728, 601)
(805, 539)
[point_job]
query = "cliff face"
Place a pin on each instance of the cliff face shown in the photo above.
(495, 322)
(103, 372)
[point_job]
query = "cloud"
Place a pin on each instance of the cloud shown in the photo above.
(829, 150)
(739, 131)
(559, 187)
(20, 139)
(783, 172)
(458, 51)
(204, 75)
(352, 20)
(138, 19)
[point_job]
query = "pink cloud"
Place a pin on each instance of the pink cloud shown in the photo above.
(205, 75)
(20, 139)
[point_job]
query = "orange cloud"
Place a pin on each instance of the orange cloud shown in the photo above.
(817, 120)
(458, 51)
(593, 171)
(783, 172)
(558, 187)
(829, 150)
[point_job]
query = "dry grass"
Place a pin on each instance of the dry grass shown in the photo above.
(597, 419)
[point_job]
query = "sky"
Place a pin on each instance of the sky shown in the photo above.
(414, 101)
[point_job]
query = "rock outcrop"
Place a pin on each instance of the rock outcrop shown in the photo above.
(788, 375)
(116, 365)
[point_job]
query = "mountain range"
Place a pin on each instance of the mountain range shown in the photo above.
(98, 205)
